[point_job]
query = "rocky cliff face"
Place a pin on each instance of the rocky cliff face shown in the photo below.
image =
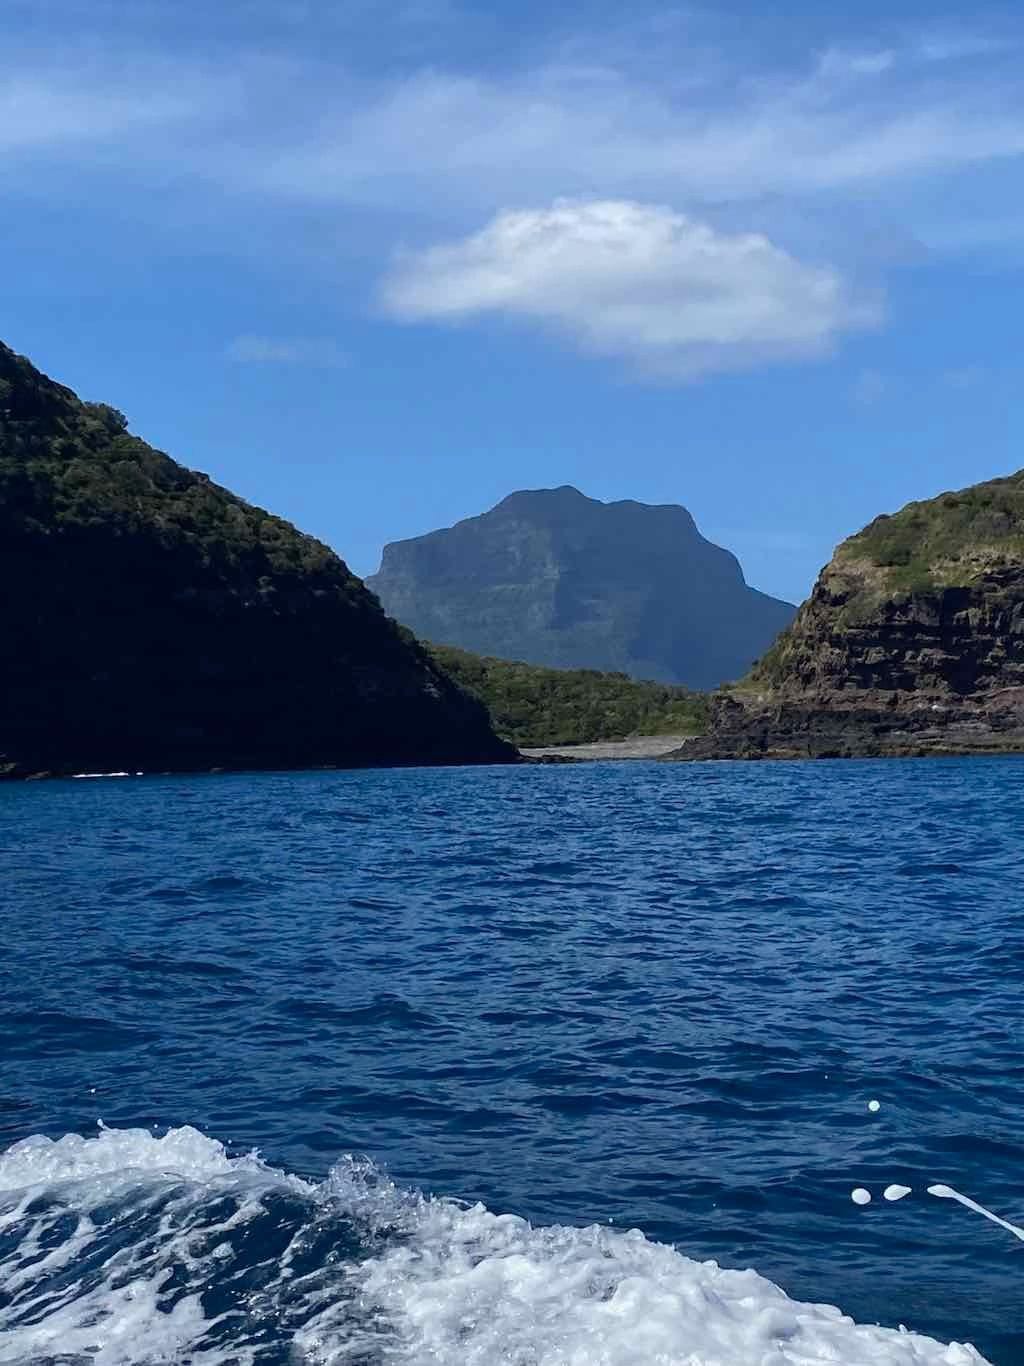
(554, 578)
(911, 642)
(152, 620)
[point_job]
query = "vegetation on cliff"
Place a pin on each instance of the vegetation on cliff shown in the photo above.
(928, 599)
(155, 620)
(912, 642)
(534, 706)
(949, 541)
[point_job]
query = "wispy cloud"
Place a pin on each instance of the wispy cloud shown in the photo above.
(870, 388)
(717, 131)
(313, 352)
(553, 130)
(964, 377)
(782, 153)
(71, 110)
(962, 46)
(636, 281)
(841, 63)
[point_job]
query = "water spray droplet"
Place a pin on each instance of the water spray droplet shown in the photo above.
(948, 1193)
(895, 1192)
(874, 1106)
(860, 1196)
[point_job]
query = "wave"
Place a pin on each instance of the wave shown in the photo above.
(129, 1249)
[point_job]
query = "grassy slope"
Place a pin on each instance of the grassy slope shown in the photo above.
(951, 541)
(530, 705)
(946, 540)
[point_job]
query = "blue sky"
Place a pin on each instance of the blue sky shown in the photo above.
(376, 266)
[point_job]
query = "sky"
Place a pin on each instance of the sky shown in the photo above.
(374, 266)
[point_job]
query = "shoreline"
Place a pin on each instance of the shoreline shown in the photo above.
(636, 747)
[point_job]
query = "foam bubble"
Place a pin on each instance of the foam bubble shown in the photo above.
(860, 1196)
(874, 1106)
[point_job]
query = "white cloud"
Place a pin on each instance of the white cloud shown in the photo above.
(866, 155)
(638, 282)
(252, 349)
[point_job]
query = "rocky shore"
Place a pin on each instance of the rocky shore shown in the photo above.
(867, 726)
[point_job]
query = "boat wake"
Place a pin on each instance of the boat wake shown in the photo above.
(128, 1249)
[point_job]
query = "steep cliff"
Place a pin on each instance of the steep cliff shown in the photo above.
(911, 642)
(554, 578)
(152, 620)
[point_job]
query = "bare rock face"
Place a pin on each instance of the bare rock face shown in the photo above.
(154, 621)
(551, 577)
(912, 642)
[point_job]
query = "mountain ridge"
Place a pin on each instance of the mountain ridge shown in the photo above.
(554, 578)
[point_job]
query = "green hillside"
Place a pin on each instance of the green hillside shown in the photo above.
(153, 620)
(534, 706)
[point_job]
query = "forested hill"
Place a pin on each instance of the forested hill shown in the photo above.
(533, 706)
(153, 620)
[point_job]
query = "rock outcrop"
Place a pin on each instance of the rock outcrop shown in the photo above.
(912, 642)
(154, 621)
(551, 577)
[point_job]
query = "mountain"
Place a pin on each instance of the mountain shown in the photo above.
(554, 578)
(534, 706)
(912, 642)
(152, 620)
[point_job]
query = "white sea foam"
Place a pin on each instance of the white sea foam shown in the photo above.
(185, 1152)
(120, 1238)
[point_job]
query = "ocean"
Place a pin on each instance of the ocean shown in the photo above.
(541, 1066)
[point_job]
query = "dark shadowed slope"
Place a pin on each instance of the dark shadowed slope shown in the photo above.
(152, 620)
(555, 578)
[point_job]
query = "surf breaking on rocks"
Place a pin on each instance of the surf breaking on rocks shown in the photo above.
(127, 1249)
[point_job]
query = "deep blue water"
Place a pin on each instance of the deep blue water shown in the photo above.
(659, 996)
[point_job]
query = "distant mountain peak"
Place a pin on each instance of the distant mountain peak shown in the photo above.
(554, 577)
(567, 493)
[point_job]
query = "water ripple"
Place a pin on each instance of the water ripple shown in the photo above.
(653, 995)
